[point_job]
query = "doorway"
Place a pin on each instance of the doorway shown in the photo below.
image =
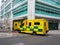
(53, 26)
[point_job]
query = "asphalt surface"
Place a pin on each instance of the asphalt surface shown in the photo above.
(49, 39)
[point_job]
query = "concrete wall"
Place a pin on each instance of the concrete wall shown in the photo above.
(59, 25)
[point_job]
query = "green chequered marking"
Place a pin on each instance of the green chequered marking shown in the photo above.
(40, 30)
(24, 28)
(35, 27)
(31, 29)
(27, 26)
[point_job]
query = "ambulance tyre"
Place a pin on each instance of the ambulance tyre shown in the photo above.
(18, 30)
(34, 33)
(46, 31)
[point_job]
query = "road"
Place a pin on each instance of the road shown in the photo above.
(49, 39)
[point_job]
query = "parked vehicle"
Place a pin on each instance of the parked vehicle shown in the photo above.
(37, 26)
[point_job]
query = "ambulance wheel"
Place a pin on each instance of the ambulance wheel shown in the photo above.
(18, 30)
(46, 31)
(34, 33)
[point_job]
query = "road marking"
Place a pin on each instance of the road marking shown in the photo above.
(19, 44)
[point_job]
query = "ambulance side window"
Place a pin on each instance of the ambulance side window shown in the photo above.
(22, 25)
(37, 23)
(29, 23)
(15, 24)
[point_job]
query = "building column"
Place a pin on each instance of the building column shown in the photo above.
(31, 10)
(59, 26)
(4, 20)
(11, 19)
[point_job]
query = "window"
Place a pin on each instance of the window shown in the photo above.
(15, 24)
(22, 25)
(30, 24)
(37, 23)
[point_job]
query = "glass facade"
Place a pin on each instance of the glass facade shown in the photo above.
(20, 10)
(53, 26)
(45, 9)
(14, 2)
(20, 7)
(2, 12)
(7, 15)
(8, 6)
(7, 1)
(52, 2)
(2, 7)
(10, 9)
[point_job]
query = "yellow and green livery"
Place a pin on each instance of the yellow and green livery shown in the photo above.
(37, 26)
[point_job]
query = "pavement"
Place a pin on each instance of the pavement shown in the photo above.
(54, 32)
(12, 34)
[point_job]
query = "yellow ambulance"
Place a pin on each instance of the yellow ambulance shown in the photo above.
(37, 26)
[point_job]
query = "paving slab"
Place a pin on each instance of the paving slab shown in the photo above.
(54, 32)
(12, 34)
